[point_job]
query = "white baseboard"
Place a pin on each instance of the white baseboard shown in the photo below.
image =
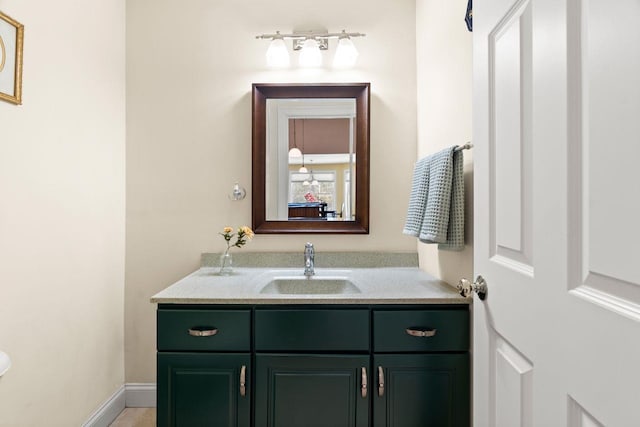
(130, 395)
(108, 411)
(140, 395)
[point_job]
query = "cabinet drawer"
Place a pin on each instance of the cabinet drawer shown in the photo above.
(420, 330)
(312, 330)
(220, 330)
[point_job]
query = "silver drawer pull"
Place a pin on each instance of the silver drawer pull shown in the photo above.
(202, 331)
(243, 374)
(380, 381)
(416, 331)
(364, 383)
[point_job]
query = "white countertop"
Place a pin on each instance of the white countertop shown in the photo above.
(387, 285)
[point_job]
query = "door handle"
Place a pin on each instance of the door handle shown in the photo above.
(380, 381)
(466, 288)
(243, 375)
(364, 383)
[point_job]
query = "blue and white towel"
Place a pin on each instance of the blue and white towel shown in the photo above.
(436, 205)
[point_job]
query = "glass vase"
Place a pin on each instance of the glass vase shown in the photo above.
(226, 263)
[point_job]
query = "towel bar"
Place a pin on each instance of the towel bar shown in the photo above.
(466, 146)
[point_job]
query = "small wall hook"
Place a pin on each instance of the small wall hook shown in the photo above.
(238, 192)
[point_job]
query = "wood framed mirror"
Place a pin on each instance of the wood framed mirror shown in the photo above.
(324, 186)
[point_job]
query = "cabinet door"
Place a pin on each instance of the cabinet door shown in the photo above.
(312, 390)
(421, 390)
(198, 389)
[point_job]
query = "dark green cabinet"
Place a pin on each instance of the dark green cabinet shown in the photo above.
(203, 389)
(313, 366)
(419, 390)
(312, 390)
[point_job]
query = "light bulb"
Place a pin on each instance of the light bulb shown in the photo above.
(310, 55)
(277, 54)
(346, 53)
(295, 152)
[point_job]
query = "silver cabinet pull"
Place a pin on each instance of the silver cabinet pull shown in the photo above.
(380, 381)
(243, 375)
(416, 331)
(364, 383)
(202, 331)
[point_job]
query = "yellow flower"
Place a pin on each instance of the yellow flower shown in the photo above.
(227, 230)
(247, 232)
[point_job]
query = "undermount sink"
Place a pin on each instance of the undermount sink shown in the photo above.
(303, 285)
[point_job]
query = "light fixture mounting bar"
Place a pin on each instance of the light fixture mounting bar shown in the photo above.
(299, 37)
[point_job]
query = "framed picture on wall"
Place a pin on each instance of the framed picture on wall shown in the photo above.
(11, 37)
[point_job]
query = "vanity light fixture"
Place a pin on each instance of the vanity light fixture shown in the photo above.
(310, 56)
(310, 43)
(277, 54)
(346, 53)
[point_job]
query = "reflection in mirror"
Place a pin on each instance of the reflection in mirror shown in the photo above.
(310, 158)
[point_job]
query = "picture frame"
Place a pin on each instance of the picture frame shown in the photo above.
(11, 40)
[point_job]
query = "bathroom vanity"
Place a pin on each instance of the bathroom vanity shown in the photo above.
(386, 346)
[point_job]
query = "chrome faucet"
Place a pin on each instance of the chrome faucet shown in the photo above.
(309, 253)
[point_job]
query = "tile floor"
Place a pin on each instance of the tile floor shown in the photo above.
(136, 417)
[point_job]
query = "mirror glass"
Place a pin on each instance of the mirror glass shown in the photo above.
(310, 158)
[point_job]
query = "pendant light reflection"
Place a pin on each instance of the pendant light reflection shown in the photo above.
(295, 151)
(277, 53)
(310, 55)
(302, 169)
(313, 181)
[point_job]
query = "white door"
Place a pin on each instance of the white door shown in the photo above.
(557, 212)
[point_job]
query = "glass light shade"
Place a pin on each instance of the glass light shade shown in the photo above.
(277, 54)
(303, 170)
(310, 55)
(295, 152)
(315, 182)
(346, 53)
(305, 182)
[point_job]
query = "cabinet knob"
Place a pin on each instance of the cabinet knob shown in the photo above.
(202, 331)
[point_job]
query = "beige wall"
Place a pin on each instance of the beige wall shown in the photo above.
(190, 66)
(62, 165)
(444, 112)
